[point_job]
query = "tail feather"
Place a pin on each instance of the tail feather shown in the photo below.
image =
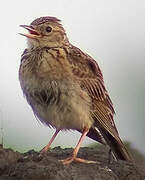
(118, 148)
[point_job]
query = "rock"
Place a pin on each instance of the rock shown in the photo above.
(34, 166)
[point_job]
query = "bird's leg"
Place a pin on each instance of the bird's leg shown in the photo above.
(110, 156)
(73, 157)
(45, 149)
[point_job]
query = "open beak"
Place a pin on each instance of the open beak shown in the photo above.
(32, 32)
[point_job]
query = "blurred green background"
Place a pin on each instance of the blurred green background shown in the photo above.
(112, 32)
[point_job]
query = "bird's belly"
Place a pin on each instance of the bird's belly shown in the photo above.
(62, 106)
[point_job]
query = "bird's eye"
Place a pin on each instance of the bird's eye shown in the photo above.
(48, 29)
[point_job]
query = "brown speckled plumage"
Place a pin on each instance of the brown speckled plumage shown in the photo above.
(42, 20)
(65, 87)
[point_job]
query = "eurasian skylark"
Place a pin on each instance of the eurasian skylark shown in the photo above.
(65, 88)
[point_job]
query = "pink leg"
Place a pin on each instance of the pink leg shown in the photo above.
(75, 152)
(45, 149)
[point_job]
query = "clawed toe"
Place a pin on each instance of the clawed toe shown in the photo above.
(71, 159)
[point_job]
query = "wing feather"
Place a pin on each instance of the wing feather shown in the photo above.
(88, 73)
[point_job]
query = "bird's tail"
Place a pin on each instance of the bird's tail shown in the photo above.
(118, 148)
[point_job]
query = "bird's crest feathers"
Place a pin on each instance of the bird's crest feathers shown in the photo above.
(42, 20)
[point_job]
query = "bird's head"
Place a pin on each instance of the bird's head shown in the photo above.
(45, 32)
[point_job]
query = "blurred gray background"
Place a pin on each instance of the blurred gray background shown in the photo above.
(112, 32)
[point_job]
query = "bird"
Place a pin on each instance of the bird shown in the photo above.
(65, 88)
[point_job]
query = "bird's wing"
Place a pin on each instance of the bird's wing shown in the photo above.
(87, 71)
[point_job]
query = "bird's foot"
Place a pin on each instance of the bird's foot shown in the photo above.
(72, 158)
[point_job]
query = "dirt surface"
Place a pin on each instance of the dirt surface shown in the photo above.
(34, 166)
